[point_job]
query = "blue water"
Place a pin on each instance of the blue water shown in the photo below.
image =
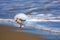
(9, 8)
(13, 7)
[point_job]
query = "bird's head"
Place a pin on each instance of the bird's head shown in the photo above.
(21, 16)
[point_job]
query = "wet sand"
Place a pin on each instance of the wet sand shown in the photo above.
(7, 34)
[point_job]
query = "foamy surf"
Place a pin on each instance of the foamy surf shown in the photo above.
(33, 25)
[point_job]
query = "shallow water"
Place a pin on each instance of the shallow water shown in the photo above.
(33, 31)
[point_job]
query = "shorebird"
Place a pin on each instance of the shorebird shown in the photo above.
(20, 19)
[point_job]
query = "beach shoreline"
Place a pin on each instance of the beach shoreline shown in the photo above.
(7, 34)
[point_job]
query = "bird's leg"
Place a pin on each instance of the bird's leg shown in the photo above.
(20, 25)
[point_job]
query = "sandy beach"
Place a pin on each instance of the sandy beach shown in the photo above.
(7, 34)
